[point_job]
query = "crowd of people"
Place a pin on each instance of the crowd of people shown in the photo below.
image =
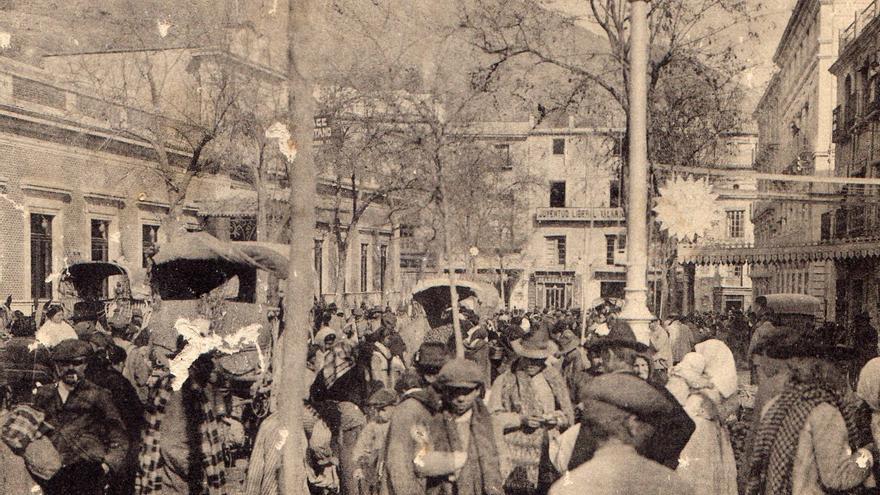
(540, 402)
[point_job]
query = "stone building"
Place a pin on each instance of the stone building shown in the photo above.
(794, 118)
(716, 285)
(571, 231)
(854, 222)
(76, 186)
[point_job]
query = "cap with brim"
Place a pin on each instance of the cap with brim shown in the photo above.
(431, 355)
(622, 392)
(620, 334)
(71, 349)
(460, 373)
(808, 350)
(382, 398)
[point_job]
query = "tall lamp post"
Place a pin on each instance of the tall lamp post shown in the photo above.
(635, 309)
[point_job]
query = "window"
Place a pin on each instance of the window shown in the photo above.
(614, 193)
(610, 248)
(383, 265)
(504, 151)
(41, 256)
(735, 224)
(319, 264)
(100, 244)
(738, 273)
(557, 195)
(617, 146)
(365, 250)
(149, 236)
(243, 229)
(559, 146)
(826, 226)
(556, 249)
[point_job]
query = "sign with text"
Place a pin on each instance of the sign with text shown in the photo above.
(323, 131)
(579, 214)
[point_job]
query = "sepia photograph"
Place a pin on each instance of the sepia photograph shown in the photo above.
(439, 247)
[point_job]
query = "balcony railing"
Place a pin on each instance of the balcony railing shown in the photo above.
(579, 214)
(861, 20)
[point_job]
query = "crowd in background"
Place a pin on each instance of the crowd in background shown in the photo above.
(550, 401)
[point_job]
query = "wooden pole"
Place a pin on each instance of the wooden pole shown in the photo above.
(300, 286)
(450, 268)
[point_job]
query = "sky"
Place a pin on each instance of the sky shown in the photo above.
(771, 17)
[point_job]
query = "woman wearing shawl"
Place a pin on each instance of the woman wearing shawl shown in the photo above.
(807, 441)
(531, 403)
(704, 382)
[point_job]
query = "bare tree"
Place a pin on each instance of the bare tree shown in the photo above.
(178, 93)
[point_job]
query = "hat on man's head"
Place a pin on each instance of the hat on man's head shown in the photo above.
(623, 392)
(100, 340)
(568, 342)
(357, 312)
(137, 312)
(431, 355)
(460, 373)
(382, 398)
(805, 344)
(71, 349)
(620, 334)
(389, 320)
(535, 344)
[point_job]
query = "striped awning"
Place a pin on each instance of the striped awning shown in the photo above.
(840, 249)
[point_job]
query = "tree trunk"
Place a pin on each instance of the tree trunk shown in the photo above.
(453, 288)
(341, 270)
(300, 286)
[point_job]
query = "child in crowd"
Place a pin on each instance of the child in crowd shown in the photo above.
(369, 451)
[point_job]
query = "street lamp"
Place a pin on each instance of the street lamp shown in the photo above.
(635, 309)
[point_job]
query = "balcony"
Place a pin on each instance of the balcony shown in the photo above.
(861, 21)
(579, 215)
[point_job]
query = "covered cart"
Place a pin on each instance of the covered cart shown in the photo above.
(434, 297)
(101, 289)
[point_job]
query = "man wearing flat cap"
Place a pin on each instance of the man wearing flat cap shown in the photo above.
(619, 349)
(412, 415)
(461, 455)
(87, 429)
(621, 410)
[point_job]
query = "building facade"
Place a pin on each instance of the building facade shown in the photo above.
(855, 221)
(794, 118)
(572, 227)
(721, 287)
(73, 187)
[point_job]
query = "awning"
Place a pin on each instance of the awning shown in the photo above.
(804, 253)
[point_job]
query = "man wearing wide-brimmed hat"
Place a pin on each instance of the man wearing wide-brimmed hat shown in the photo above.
(532, 402)
(806, 441)
(572, 357)
(623, 412)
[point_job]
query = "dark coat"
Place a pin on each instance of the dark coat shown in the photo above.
(87, 428)
(413, 414)
(481, 473)
(124, 397)
(671, 434)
